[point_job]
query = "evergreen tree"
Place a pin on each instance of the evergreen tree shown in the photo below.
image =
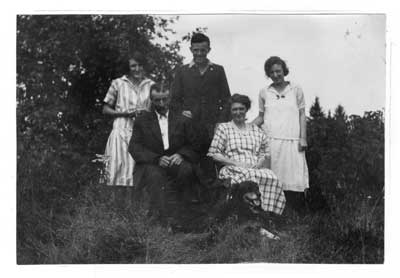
(316, 137)
(316, 111)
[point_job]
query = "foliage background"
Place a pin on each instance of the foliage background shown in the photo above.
(65, 64)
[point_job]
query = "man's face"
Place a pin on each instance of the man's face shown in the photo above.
(200, 51)
(160, 101)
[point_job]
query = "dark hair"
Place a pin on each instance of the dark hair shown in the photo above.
(199, 37)
(237, 98)
(138, 57)
(275, 60)
(159, 87)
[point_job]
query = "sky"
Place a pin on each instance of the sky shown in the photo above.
(338, 58)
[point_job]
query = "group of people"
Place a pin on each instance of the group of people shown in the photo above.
(162, 135)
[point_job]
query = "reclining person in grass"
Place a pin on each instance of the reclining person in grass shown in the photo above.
(165, 149)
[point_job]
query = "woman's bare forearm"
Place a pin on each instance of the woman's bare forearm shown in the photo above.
(225, 160)
(259, 120)
(303, 125)
(108, 110)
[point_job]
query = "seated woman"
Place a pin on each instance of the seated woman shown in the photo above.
(242, 149)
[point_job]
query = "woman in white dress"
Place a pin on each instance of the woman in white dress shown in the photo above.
(282, 117)
(126, 98)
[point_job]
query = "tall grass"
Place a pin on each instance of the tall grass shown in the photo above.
(90, 228)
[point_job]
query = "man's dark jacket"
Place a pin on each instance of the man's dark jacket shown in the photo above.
(204, 95)
(146, 145)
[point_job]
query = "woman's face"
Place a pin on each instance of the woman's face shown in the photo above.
(135, 69)
(276, 74)
(238, 112)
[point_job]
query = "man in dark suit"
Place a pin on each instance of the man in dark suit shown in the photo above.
(200, 91)
(164, 148)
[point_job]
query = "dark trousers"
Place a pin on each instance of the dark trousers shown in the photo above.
(296, 201)
(168, 189)
(205, 133)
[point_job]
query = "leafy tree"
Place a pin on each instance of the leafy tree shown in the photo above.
(65, 64)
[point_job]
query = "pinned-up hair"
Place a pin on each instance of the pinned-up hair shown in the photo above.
(238, 98)
(275, 60)
(138, 57)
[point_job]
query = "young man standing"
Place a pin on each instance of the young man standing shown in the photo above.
(200, 91)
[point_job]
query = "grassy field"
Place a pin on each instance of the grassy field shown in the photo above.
(90, 228)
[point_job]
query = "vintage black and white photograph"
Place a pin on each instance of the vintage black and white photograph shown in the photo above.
(201, 138)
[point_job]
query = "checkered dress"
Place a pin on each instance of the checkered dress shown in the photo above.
(248, 146)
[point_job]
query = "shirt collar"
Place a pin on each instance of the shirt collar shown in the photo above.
(159, 116)
(289, 85)
(125, 78)
(192, 63)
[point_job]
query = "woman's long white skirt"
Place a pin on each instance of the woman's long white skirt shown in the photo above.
(119, 168)
(289, 164)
